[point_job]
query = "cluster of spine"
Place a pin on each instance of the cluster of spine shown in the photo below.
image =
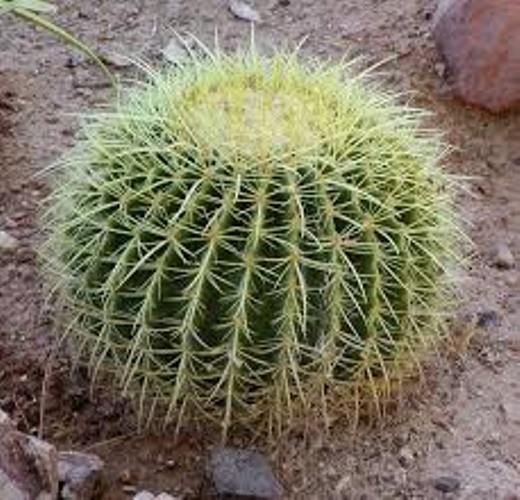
(224, 259)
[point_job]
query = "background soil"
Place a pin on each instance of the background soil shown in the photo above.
(465, 424)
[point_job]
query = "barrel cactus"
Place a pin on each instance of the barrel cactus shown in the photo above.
(253, 238)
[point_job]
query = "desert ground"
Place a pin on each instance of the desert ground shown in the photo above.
(462, 427)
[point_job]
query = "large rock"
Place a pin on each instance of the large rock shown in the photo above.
(241, 474)
(31, 469)
(28, 466)
(480, 40)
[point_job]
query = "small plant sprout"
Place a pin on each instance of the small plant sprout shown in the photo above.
(34, 11)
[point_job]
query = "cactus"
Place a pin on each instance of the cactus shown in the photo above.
(254, 238)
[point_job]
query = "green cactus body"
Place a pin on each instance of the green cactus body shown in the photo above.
(248, 237)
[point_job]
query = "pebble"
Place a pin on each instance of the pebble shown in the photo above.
(463, 331)
(504, 258)
(486, 319)
(51, 119)
(126, 477)
(241, 473)
(342, 485)
(176, 52)
(7, 242)
(81, 475)
(440, 69)
(74, 61)
(494, 438)
(446, 484)
(511, 411)
(116, 60)
(84, 92)
(406, 457)
(243, 11)
(511, 279)
(144, 495)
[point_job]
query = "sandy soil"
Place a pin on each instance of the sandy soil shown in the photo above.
(465, 423)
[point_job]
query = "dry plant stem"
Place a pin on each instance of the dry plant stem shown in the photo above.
(44, 392)
(32, 12)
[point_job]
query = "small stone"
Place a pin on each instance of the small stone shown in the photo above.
(342, 485)
(504, 258)
(463, 330)
(440, 69)
(84, 92)
(81, 475)
(511, 411)
(7, 242)
(406, 457)
(446, 484)
(117, 61)
(493, 438)
(242, 474)
(243, 11)
(51, 119)
(6, 424)
(486, 319)
(511, 279)
(330, 471)
(165, 496)
(74, 60)
(175, 51)
(126, 477)
(144, 495)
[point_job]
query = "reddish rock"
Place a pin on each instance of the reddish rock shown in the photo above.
(480, 40)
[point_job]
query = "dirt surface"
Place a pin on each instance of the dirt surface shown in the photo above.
(464, 425)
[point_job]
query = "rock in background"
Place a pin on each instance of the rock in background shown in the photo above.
(480, 40)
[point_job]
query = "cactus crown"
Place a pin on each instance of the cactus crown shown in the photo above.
(246, 237)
